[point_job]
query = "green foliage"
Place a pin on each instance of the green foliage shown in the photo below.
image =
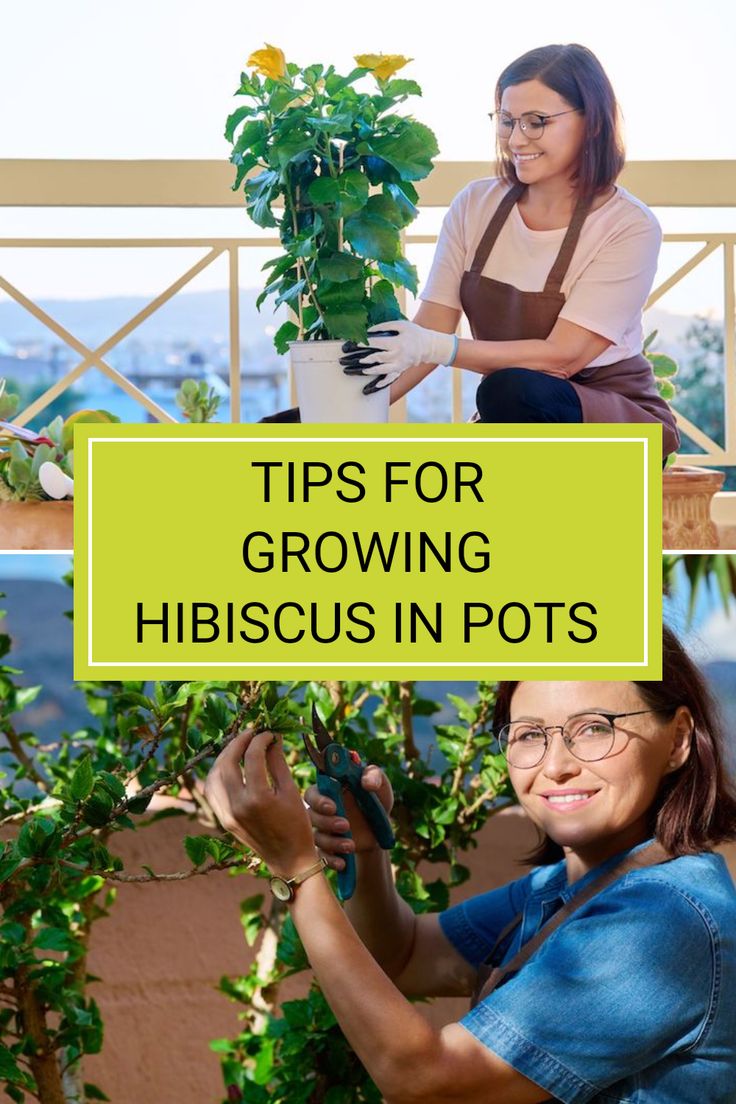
(311, 140)
(300, 1054)
(62, 807)
(197, 401)
(21, 460)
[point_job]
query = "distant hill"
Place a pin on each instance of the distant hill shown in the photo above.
(192, 316)
(196, 316)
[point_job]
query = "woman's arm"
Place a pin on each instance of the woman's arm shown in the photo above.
(409, 1060)
(413, 950)
(409, 353)
(567, 350)
(431, 316)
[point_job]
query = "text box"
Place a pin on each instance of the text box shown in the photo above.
(272, 551)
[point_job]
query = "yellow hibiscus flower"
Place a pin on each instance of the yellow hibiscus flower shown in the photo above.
(382, 66)
(270, 62)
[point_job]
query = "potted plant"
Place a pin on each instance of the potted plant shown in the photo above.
(687, 491)
(343, 163)
(36, 506)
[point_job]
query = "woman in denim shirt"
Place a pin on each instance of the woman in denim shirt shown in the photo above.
(631, 1000)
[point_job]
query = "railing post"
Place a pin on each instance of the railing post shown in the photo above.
(235, 411)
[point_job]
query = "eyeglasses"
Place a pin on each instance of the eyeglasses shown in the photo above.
(587, 736)
(531, 122)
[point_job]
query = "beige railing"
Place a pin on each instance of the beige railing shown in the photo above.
(186, 184)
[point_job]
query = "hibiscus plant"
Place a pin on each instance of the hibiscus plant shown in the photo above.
(342, 162)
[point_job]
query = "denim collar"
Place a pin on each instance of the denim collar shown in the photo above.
(556, 884)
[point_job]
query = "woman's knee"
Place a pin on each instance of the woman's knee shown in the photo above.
(511, 394)
(523, 395)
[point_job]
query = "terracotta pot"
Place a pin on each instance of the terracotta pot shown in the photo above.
(325, 393)
(687, 493)
(25, 525)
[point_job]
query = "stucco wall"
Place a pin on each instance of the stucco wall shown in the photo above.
(165, 946)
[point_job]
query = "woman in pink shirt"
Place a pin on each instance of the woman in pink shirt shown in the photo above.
(551, 262)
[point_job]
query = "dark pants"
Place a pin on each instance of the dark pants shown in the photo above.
(522, 395)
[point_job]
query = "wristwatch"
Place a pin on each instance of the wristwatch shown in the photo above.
(284, 889)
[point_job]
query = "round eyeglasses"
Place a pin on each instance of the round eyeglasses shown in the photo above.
(587, 736)
(531, 122)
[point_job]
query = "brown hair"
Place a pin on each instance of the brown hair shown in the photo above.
(695, 808)
(574, 73)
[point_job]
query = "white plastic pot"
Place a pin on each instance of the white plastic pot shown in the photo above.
(325, 393)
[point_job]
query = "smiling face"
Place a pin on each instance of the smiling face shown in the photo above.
(554, 156)
(596, 809)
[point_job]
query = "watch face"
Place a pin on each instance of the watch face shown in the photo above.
(281, 889)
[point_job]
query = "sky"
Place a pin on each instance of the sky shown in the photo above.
(90, 79)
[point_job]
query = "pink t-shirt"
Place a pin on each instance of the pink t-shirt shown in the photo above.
(606, 285)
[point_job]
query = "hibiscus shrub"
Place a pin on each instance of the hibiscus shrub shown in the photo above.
(63, 805)
(319, 144)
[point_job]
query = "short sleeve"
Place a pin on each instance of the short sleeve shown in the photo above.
(443, 283)
(625, 982)
(474, 925)
(610, 293)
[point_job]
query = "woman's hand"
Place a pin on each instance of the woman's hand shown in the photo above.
(254, 797)
(395, 347)
(329, 829)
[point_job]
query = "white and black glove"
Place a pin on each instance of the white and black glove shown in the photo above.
(393, 349)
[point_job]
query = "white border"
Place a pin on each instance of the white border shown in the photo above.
(289, 664)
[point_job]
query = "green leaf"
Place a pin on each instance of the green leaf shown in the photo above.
(402, 87)
(252, 136)
(345, 294)
(286, 333)
(667, 390)
(93, 1092)
(139, 804)
(25, 695)
(36, 837)
(348, 192)
(339, 267)
(235, 119)
(373, 237)
(8, 865)
(82, 780)
(402, 273)
(252, 918)
(287, 148)
(260, 191)
(112, 784)
(54, 939)
(347, 324)
(408, 210)
(196, 849)
(663, 366)
(97, 808)
(383, 305)
(409, 150)
(292, 294)
(9, 1068)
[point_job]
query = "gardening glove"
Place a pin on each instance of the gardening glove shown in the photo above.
(393, 350)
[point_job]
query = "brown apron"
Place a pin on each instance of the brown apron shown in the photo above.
(621, 392)
(490, 976)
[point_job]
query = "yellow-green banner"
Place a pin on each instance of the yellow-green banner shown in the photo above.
(275, 551)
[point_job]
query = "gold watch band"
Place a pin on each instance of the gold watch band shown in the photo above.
(317, 868)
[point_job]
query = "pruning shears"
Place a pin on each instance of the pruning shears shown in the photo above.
(338, 767)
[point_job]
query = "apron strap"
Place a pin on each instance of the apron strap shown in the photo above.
(559, 269)
(562, 263)
(652, 855)
(493, 229)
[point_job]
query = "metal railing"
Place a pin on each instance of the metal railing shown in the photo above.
(207, 184)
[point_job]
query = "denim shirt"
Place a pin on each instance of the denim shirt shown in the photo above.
(632, 1000)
